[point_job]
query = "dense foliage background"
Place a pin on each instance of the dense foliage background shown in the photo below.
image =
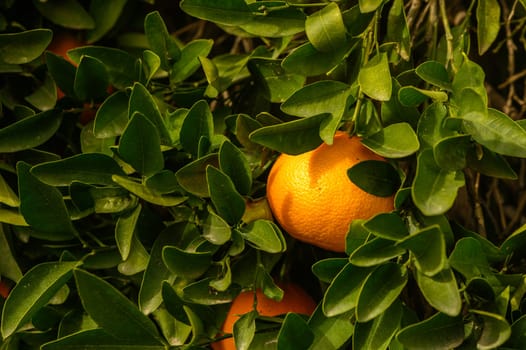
(132, 171)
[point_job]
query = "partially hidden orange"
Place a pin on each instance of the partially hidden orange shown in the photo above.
(313, 199)
(4, 290)
(295, 299)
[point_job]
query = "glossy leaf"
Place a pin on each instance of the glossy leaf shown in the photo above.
(398, 29)
(192, 176)
(431, 127)
(342, 294)
(295, 333)
(29, 132)
(244, 329)
(438, 331)
(378, 178)
(294, 137)
(164, 45)
(411, 96)
(272, 19)
(376, 251)
(387, 225)
(125, 229)
(327, 269)
(394, 141)
(140, 146)
(146, 193)
(375, 78)
(489, 163)
(495, 330)
(429, 249)
(369, 5)
(105, 14)
(119, 64)
(488, 24)
(308, 61)
(264, 235)
(377, 334)
(235, 165)
(186, 264)
(9, 267)
(136, 261)
(325, 28)
(62, 71)
(441, 291)
(25, 46)
(381, 288)
(66, 13)
(32, 292)
(113, 312)
(469, 259)
(393, 111)
(434, 189)
(91, 79)
(230, 12)
(229, 204)
(188, 62)
(197, 124)
(450, 153)
(435, 73)
(112, 116)
(89, 168)
(43, 206)
(330, 333)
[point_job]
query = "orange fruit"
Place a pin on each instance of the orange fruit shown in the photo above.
(295, 299)
(312, 197)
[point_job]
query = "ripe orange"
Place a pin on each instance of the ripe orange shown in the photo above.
(294, 299)
(312, 197)
(4, 289)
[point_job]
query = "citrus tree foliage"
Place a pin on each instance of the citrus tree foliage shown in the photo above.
(138, 227)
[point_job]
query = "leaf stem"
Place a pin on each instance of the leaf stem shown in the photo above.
(448, 34)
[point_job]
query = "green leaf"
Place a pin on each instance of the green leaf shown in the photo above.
(215, 229)
(294, 137)
(244, 330)
(24, 47)
(150, 294)
(199, 292)
(29, 132)
(99, 339)
(65, 13)
(325, 28)
(327, 269)
(45, 95)
(192, 176)
(434, 189)
(330, 333)
(381, 288)
(369, 5)
(91, 79)
(32, 292)
(439, 331)
(495, 330)
(160, 41)
(9, 267)
(469, 76)
(185, 264)
(137, 259)
(88, 168)
(325, 96)
(411, 96)
(450, 153)
(272, 19)
(295, 333)
(398, 30)
(429, 249)
(489, 163)
(121, 66)
(469, 259)
(229, 12)
(146, 193)
(375, 78)
(307, 61)
(488, 24)
(278, 84)
(125, 229)
(518, 334)
(342, 294)
(188, 62)
(62, 71)
(235, 165)
(377, 334)
(264, 235)
(7, 195)
(43, 206)
(375, 177)
(441, 291)
(140, 146)
(394, 141)
(229, 204)
(376, 251)
(113, 311)
(497, 132)
(197, 124)
(393, 111)
(388, 226)
(434, 73)
(143, 102)
(152, 63)
(431, 127)
(105, 14)
(112, 116)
